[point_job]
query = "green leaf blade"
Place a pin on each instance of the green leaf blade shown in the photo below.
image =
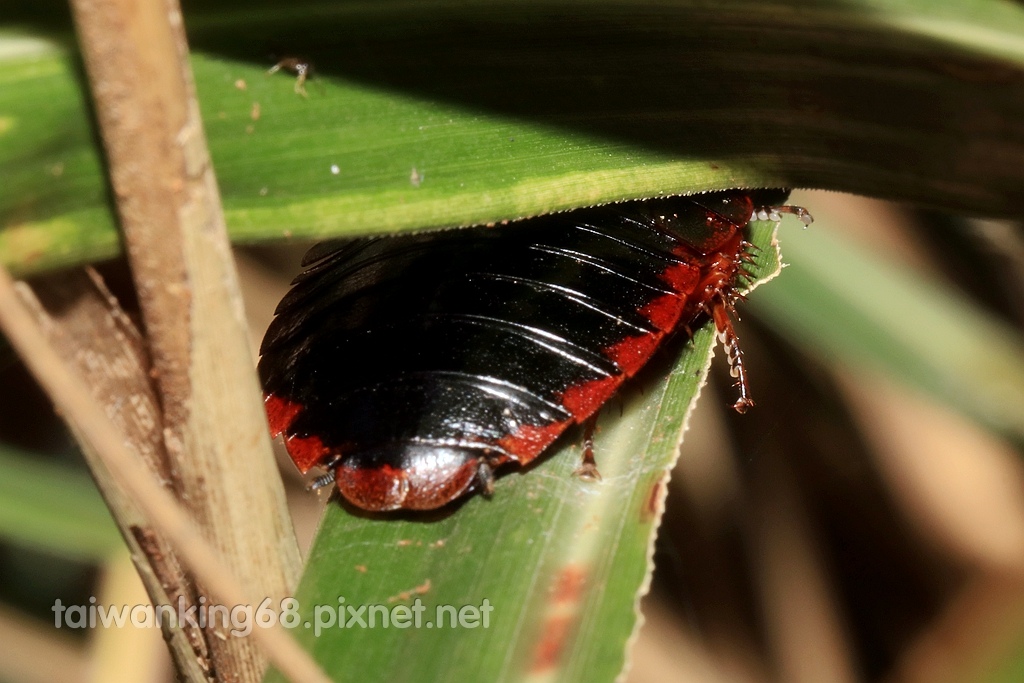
(53, 508)
(512, 110)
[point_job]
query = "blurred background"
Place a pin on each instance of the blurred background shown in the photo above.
(864, 523)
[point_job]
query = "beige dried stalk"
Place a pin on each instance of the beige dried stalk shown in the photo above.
(87, 328)
(215, 434)
(75, 402)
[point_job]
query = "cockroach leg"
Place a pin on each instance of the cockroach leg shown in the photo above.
(588, 467)
(727, 335)
(485, 478)
(774, 214)
(328, 478)
(321, 481)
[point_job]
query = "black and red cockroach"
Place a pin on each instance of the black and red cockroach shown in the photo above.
(410, 367)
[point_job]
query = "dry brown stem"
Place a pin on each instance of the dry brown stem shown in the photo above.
(214, 430)
(75, 402)
(87, 328)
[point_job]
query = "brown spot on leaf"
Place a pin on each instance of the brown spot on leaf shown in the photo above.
(569, 584)
(421, 589)
(552, 642)
(652, 505)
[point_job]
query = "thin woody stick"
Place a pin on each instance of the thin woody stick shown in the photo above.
(95, 338)
(74, 401)
(214, 430)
